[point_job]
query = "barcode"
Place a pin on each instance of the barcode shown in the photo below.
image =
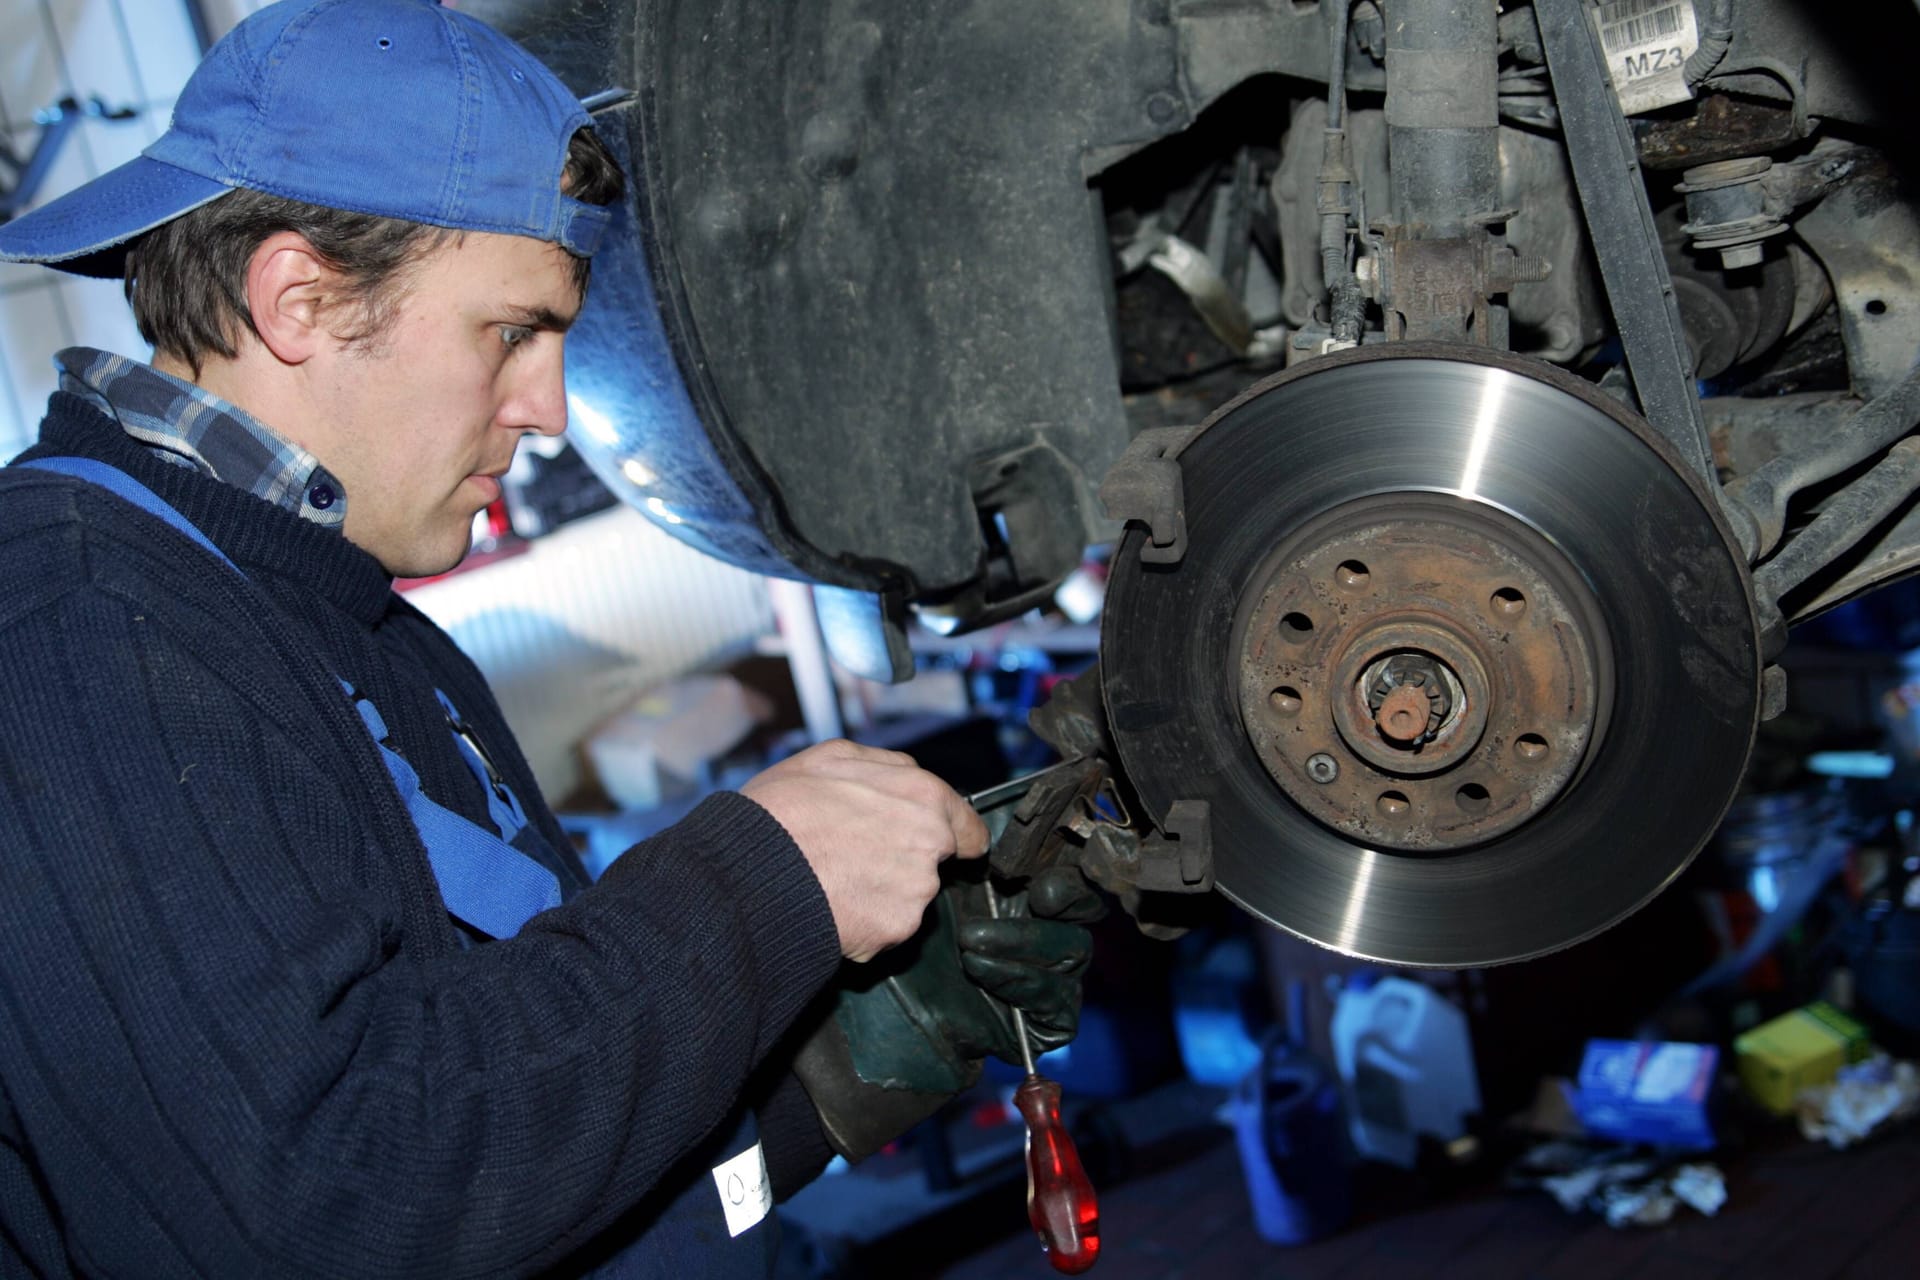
(1634, 22)
(1621, 10)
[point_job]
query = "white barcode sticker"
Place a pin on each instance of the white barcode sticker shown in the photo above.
(1646, 44)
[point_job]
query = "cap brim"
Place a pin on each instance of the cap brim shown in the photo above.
(86, 230)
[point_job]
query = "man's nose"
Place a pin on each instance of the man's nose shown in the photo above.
(539, 399)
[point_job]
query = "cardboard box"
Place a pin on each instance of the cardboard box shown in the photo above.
(1796, 1051)
(1654, 1091)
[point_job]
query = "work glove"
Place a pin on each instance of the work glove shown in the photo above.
(911, 1028)
(1033, 962)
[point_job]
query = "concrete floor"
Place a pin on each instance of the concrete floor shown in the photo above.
(1794, 1210)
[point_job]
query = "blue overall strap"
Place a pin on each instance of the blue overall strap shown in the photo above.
(502, 805)
(486, 883)
(125, 486)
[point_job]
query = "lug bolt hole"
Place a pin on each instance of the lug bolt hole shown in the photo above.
(1285, 700)
(1392, 804)
(1508, 603)
(1296, 628)
(1352, 575)
(1530, 747)
(1472, 799)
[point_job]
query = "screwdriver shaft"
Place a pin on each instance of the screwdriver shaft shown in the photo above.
(1019, 1017)
(1061, 1203)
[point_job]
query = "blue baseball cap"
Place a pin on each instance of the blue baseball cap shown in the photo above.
(400, 108)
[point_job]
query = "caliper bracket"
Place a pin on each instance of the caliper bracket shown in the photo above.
(1143, 488)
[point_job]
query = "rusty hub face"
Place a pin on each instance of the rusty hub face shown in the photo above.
(1442, 655)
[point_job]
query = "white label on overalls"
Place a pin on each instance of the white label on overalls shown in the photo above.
(745, 1194)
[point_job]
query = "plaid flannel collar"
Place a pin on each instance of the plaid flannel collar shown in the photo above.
(191, 427)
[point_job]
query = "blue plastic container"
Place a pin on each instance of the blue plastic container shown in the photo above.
(1291, 1129)
(1406, 1060)
(1216, 996)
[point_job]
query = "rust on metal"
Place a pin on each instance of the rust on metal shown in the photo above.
(1430, 650)
(1390, 638)
(1719, 127)
(1403, 714)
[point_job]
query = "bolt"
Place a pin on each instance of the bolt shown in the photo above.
(1409, 697)
(1161, 108)
(1403, 713)
(1322, 767)
(1504, 267)
(1530, 268)
(1737, 256)
(1366, 270)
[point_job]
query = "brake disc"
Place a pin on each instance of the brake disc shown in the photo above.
(1462, 659)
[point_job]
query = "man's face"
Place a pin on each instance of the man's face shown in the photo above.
(426, 415)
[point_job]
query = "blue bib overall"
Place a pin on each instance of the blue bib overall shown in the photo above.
(711, 1216)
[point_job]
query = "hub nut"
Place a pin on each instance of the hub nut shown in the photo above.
(1403, 714)
(1409, 697)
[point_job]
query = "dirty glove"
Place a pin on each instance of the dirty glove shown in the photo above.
(1017, 961)
(909, 1030)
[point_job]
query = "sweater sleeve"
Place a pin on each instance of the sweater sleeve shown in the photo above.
(227, 1047)
(795, 1145)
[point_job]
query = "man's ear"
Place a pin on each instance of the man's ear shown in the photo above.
(287, 292)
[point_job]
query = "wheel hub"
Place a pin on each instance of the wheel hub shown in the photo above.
(1442, 657)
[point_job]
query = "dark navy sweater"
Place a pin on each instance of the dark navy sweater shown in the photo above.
(239, 1034)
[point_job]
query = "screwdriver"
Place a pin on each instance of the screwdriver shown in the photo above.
(1060, 1201)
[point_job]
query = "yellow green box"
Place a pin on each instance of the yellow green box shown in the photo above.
(1796, 1051)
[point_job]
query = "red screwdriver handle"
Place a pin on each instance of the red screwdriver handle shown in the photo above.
(1060, 1200)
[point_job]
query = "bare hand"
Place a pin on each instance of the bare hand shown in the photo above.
(874, 827)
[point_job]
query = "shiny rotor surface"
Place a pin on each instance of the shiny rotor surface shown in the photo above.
(1527, 444)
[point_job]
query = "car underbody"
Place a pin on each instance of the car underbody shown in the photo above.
(1476, 395)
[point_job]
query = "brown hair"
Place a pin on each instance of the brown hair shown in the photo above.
(187, 279)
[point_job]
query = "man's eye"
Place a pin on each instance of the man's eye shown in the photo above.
(512, 335)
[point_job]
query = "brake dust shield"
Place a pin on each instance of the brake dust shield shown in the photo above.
(1464, 664)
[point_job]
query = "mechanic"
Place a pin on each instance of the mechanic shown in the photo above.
(300, 975)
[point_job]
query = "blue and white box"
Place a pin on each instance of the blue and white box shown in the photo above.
(1653, 1091)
